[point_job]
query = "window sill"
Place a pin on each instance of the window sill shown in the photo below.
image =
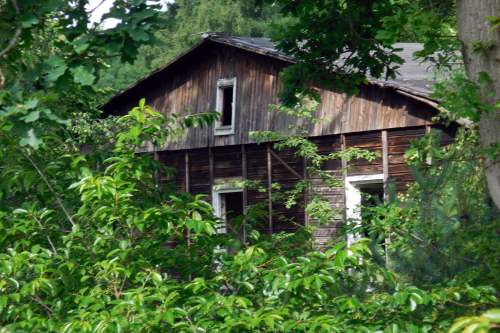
(224, 130)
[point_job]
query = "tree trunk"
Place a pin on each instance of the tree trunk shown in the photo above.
(473, 27)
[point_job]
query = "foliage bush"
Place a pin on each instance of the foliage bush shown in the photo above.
(108, 263)
(91, 239)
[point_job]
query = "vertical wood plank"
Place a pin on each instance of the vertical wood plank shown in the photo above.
(245, 192)
(211, 172)
(428, 129)
(306, 191)
(385, 163)
(186, 184)
(157, 173)
(186, 171)
(344, 174)
(269, 189)
(385, 168)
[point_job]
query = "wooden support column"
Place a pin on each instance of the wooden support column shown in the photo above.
(269, 189)
(344, 174)
(428, 130)
(187, 186)
(306, 191)
(186, 171)
(156, 157)
(385, 169)
(244, 175)
(211, 172)
(385, 164)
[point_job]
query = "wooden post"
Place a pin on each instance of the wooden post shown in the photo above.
(244, 175)
(211, 173)
(344, 174)
(306, 191)
(157, 173)
(187, 185)
(385, 168)
(186, 171)
(269, 189)
(385, 164)
(428, 130)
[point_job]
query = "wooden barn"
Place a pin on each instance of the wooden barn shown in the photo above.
(239, 77)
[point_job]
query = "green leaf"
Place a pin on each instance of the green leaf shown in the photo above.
(29, 20)
(196, 216)
(493, 315)
(31, 117)
(30, 139)
(31, 104)
(138, 35)
(156, 277)
(83, 76)
(56, 68)
(169, 317)
(494, 22)
(81, 44)
(48, 113)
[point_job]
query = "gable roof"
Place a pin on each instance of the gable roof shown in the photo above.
(412, 79)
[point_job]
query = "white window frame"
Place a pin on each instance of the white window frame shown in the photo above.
(353, 200)
(219, 128)
(232, 186)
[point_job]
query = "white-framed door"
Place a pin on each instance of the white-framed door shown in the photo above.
(219, 193)
(353, 191)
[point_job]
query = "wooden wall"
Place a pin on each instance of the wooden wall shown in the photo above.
(228, 162)
(189, 85)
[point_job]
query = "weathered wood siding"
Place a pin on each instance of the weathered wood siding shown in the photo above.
(227, 163)
(190, 86)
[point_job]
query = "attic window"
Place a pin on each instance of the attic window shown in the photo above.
(226, 102)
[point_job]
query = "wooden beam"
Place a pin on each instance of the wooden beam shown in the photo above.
(385, 168)
(343, 147)
(186, 171)
(306, 191)
(428, 130)
(269, 189)
(244, 175)
(187, 187)
(344, 174)
(295, 173)
(157, 173)
(385, 164)
(211, 172)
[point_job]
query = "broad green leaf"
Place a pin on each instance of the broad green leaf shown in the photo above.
(31, 139)
(138, 35)
(83, 76)
(28, 20)
(31, 117)
(493, 315)
(56, 68)
(81, 44)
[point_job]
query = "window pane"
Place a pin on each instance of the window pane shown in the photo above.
(227, 106)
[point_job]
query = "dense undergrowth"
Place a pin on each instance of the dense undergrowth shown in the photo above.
(91, 249)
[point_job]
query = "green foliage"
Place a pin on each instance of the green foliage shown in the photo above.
(462, 97)
(186, 21)
(53, 54)
(334, 36)
(121, 261)
(93, 238)
(478, 324)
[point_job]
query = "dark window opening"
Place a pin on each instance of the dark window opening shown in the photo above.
(227, 106)
(234, 213)
(372, 195)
